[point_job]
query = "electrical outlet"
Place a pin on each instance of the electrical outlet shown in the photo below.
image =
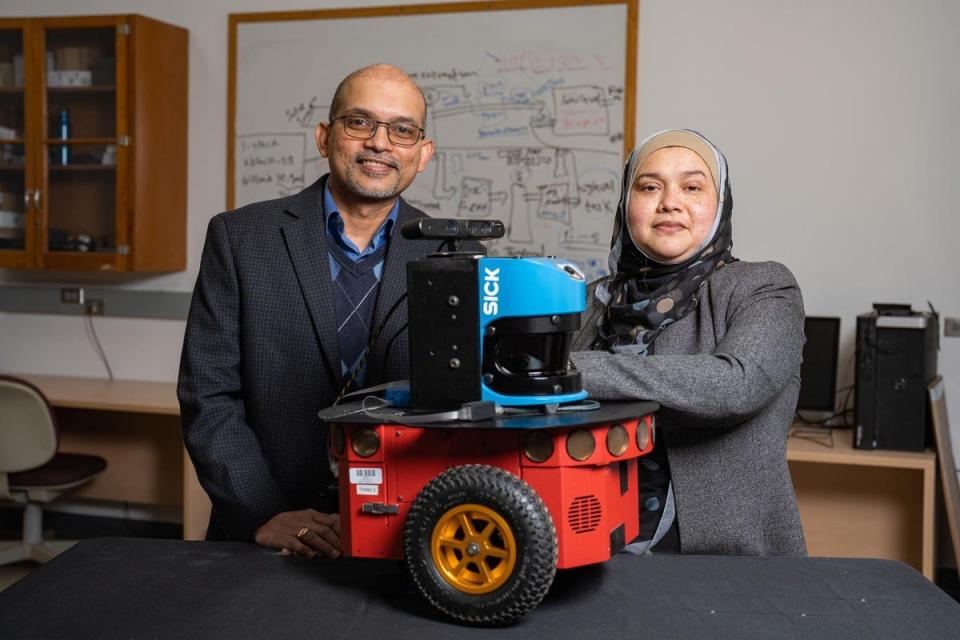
(95, 307)
(951, 327)
(71, 295)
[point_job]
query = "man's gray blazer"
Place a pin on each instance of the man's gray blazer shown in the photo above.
(261, 357)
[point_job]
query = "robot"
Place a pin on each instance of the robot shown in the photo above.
(491, 471)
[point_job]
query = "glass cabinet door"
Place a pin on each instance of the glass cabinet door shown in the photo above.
(15, 198)
(81, 133)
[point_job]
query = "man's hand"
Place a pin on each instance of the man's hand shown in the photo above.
(305, 533)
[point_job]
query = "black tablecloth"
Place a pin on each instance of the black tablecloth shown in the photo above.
(136, 588)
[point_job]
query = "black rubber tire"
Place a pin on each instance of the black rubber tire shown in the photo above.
(526, 515)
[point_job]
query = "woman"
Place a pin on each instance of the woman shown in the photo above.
(716, 341)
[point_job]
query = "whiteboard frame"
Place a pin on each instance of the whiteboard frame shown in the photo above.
(236, 19)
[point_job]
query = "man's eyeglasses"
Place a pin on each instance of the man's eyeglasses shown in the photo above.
(403, 134)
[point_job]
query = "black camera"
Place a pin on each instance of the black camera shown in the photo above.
(451, 228)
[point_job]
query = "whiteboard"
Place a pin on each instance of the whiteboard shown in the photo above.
(526, 104)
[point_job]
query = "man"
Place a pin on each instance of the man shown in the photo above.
(289, 293)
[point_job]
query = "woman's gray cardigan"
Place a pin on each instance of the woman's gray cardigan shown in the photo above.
(727, 376)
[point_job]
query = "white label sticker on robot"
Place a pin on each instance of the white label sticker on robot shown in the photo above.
(366, 475)
(368, 489)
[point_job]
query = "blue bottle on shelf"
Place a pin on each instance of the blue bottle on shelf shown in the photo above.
(63, 152)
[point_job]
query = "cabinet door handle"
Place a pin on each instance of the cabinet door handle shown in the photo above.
(26, 199)
(36, 199)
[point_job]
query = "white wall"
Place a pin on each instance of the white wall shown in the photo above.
(838, 119)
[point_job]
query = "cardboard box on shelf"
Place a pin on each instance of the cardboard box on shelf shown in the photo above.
(69, 78)
(74, 58)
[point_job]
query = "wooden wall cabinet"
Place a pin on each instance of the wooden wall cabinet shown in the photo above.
(93, 144)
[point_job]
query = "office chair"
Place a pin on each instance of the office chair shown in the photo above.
(32, 470)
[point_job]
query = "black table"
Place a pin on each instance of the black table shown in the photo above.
(136, 588)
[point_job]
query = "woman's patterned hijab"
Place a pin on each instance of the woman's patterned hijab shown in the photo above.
(643, 296)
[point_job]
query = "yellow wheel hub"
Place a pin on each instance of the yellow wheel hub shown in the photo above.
(473, 548)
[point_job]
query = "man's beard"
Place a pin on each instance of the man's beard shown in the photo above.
(380, 192)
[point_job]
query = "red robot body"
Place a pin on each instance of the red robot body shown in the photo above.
(484, 514)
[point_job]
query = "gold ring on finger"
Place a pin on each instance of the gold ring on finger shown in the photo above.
(304, 531)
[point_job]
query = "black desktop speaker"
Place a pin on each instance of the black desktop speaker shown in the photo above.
(896, 358)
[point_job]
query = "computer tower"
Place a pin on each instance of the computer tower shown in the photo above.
(896, 358)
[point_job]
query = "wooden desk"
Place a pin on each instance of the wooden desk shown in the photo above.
(853, 503)
(135, 425)
(865, 504)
